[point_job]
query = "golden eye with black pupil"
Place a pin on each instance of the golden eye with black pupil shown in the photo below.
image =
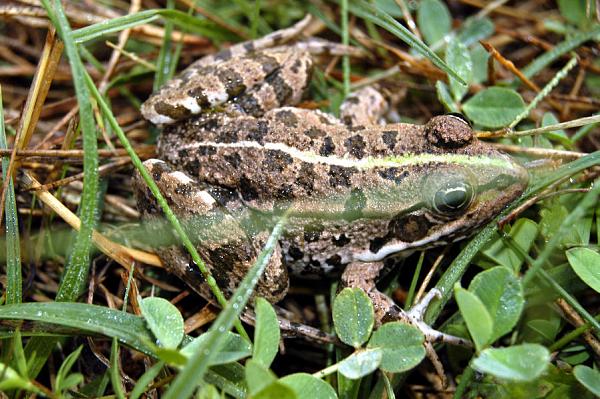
(452, 198)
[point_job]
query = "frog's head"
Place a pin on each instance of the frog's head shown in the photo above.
(453, 184)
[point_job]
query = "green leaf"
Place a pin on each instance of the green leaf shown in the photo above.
(266, 333)
(233, 348)
(479, 57)
(10, 379)
(257, 376)
(494, 107)
(276, 390)
(479, 321)
(164, 320)
(588, 377)
(474, 30)
(145, 380)
(402, 346)
(523, 362)
(361, 363)
(444, 96)
(208, 391)
(434, 20)
(459, 59)
(586, 264)
(308, 386)
(502, 295)
(523, 233)
(353, 316)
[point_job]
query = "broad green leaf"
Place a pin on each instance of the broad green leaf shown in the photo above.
(588, 377)
(523, 362)
(164, 320)
(257, 376)
(479, 321)
(479, 57)
(266, 333)
(361, 363)
(494, 107)
(502, 295)
(459, 59)
(402, 346)
(474, 30)
(434, 20)
(353, 316)
(389, 6)
(444, 96)
(586, 264)
(523, 233)
(308, 386)
(233, 348)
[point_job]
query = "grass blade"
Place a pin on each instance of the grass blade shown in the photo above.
(14, 279)
(386, 21)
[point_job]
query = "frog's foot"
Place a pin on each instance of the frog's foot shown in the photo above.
(364, 276)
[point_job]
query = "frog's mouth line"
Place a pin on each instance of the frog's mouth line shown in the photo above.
(366, 162)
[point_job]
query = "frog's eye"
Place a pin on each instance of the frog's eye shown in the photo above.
(460, 116)
(453, 197)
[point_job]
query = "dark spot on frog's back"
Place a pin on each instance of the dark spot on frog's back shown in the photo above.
(306, 177)
(276, 161)
(287, 118)
(233, 159)
(315, 133)
(266, 62)
(355, 145)
(296, 66)
(250, 104)
(394, 174)
(340, 176)
(327, 148)
(176, 112)
(389, 138)
(247, 189)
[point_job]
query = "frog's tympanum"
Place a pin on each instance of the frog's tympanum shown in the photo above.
(235, 153)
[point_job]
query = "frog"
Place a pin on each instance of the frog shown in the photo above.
(236, 153)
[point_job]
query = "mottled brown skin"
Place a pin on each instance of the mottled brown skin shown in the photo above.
(255, 155)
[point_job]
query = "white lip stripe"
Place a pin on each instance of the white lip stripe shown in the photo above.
(364, 163)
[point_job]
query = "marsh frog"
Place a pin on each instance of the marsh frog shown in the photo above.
(235, 153)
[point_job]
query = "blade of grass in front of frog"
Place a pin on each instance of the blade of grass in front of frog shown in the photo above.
(13, 247)
(198, 364)
(386, 21)
(76, 269)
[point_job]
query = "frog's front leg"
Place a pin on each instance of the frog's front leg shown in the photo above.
(212, 218)
(364, 275)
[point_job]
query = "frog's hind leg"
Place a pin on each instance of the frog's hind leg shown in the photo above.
(213, 221)
(364, 276)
